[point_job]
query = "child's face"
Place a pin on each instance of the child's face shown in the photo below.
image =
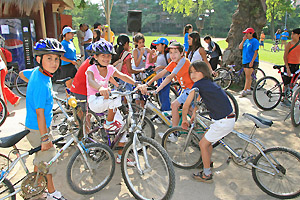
(160, 47)
(295, 36)
(175, 55)
(141, 43)
(195, 76)
(127, 46)
(94, 34)
(190, 41)
(207, 41)
(103, 59)
(190, 30)
(50, 62)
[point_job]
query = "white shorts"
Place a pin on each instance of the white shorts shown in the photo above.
(99, 104)
(219, 129)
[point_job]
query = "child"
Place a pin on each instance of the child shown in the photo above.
(39, 103)
(179, 68)
(215, 52)
(154, 56)
(98, 76)
(220, 111)
(291, 60)
(196, 51)
(162, 61)
(186, 31)
(140, 52)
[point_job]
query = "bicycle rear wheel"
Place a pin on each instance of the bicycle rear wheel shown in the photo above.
(7, 188)
(10, 79)
(102, 162)
(295, 108)
(267, 93)
(256, 75)
(3, 112)
(156, 180)
(285, 184)
(21, 86)
(223, 78)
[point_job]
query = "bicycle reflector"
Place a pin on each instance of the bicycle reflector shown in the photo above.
(72, 102)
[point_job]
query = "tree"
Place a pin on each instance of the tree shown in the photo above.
(276, 9)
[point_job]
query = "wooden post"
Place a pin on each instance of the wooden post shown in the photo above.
(42, 18)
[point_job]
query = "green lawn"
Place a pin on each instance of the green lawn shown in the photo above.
(264, 54)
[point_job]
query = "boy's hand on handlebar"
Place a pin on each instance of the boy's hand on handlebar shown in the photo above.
(104, 92)
(46, 145)
(142, 88)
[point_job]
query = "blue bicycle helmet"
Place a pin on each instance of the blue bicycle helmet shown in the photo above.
(101, 47)
(49, 46)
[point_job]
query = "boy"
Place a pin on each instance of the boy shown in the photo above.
(39, 103)
(179, 68)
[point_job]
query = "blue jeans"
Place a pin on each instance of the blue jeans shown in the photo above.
(164, 96)
(86, 55)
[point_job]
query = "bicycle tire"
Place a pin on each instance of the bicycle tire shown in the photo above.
(97, 153)
(188, 159)
(6, 186)
(285, 178)
(148, 129)
(90, 121)
(267, 93)
(21, 86)
(256, 75)
(144, 185)
(223, 78)
(295, 108)
(10, 79)
(3, 111)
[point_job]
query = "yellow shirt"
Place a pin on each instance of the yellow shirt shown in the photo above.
(111, 36)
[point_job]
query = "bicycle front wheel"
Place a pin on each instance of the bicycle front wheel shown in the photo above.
(89, 180)
(156, 178)
(285, 183)
(256, 75)
(21, 86)
(3, 112)
(295, 108)
(223, 78)
(6, 188)
(182, 155)
(267, 93)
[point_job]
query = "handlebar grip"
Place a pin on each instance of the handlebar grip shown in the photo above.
(32, 151)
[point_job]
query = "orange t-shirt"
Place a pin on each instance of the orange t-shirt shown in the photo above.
(294, 56)
(182, 72)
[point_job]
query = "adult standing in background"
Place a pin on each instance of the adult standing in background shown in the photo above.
(186, 31)
(277, 36)
(80, 36)
(284, 37)
(68, 60)
(262, 39)
(105, 34)
(88, 39)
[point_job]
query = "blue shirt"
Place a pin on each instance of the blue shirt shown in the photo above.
(277, 36)
(249, 48)
(214, 98)
(285, 35)
(38, 95)
(186, 42)
(70, 52)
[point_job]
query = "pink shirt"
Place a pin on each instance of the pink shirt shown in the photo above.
(124, 69)
(148, 64)
(103, 81)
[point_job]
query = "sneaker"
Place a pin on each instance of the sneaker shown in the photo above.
(130, 163)
(167, 113)
(55, 196)
(112, 128)
(243, 94)
(286, 103)
(249, 92)
(200, 176)
(172, 138)
(158, 120)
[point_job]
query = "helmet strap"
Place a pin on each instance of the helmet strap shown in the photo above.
(98, 64)
(45, 72)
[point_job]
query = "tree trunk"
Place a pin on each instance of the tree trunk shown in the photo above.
(250, 13)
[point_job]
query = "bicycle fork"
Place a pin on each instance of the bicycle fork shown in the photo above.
(135, 152)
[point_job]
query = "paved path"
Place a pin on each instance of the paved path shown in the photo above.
(230, 181)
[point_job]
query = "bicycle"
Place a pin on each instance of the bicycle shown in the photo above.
(89, 170)
(225, 77)
(12, 79)
(153, 175)
(275, 46)
(272, 168)
(267, 92)
(295, 108)
(3, 111)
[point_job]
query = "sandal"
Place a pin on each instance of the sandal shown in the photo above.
(200, 176)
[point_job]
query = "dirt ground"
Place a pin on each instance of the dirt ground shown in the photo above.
(230, 181)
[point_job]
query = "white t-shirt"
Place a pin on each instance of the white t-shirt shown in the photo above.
(88, 35)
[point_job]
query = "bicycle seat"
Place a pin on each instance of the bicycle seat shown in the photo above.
(259, 122)
(12, 139)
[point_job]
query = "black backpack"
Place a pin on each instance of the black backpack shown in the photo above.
(218, 50)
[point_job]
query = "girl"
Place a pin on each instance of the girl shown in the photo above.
(96, 35)
(154, 56)
(250, 47)
(140, 52)
(162, 61)
(186, 31)
(98, 76)
(220, 111)
(291, 60)
(196, 51)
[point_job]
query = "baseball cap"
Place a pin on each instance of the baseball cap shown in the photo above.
(285, 29)
(176, 45)
(161, 40)
(249, 30)
(68, 30)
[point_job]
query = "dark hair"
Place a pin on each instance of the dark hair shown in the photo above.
(152, 46)
(255, 35)
(187, 28)
(296, 31)
(137, 38)
(119, 47)
(196, 43)
(207, 37)
(98, 35)
(96, 25)
(201, 66)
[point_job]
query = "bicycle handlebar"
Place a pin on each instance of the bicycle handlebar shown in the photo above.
(32, 151)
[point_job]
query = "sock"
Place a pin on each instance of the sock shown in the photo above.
(108, 123)
(248, 90)
(207, 171)
(119, 156)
